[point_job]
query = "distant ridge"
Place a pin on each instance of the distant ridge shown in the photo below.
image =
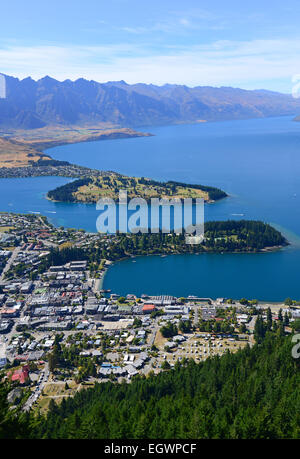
(31, 104)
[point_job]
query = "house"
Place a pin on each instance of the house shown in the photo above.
(179, 338)
(148, 308)
(141, 334)
(14, 395)
(134, 349)
(20, 375)
(26, 287)
(170, 344)
(96, 353)
(36, 355)
(48, 343)
(131, 370)
(8, 313)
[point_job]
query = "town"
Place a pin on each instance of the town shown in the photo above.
(61, 332)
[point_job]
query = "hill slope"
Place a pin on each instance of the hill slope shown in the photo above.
(33, 104)
(91, 189)
(250, 394)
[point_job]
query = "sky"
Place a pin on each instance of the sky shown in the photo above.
(251, 45)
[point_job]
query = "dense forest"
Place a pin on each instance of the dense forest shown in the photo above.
(228, 236)
(239, 234)
(250, 394)
(65, 192)
(58, 257)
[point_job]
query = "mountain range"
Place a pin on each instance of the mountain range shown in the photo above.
(31, 104)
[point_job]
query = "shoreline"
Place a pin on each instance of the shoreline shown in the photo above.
(273, 249)
(113, 136)
(159, 190)
(261, 302)
(20, 148)
(148, 201)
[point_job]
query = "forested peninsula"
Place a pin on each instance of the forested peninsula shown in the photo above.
(229, 236)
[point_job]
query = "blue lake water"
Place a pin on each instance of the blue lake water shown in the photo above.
(257, 162)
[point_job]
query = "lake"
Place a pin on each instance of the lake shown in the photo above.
(257, 162)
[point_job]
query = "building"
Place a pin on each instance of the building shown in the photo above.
(8, 313)
(176, 310)
(3, 359)
(26, 287)
(20, 375)
(148, 308)
(78, 265)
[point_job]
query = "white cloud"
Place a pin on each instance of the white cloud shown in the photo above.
(185, 22)
(244, 64)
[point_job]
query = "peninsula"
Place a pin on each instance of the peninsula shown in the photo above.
(243, 236)
(91, 189)
(25, 148)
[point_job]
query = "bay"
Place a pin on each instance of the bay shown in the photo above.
(257, 162)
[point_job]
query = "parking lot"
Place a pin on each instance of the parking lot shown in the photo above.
(197, 347)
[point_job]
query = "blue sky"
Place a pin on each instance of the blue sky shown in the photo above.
(192, 42)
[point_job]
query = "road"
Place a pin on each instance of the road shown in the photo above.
(152, 337)
(9, 262)
(251, 324)
(38, 389)
(196, 315)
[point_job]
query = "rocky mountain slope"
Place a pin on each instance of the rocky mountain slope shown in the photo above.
(33, 104)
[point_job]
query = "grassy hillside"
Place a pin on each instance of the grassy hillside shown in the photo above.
(93, 188)
(21, 148)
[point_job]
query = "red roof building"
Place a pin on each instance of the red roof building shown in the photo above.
(148, 308)
(20, 375)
